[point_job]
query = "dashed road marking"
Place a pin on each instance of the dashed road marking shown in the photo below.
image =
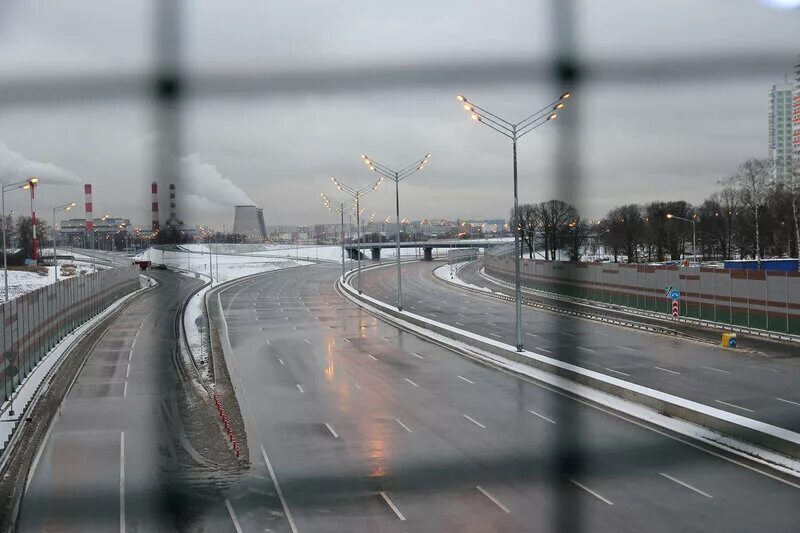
(493, 499)
(474, 421)
(467, 380)
(333, 431)
(373, 357)
(715, 369)
(666, 370)
(411, 382)
(415, 354)
(788, 401)
(300, 388)
(735, 406)
(402, 425)
(618, 372)
(392, 506)
(681, 483)
(542, 416)
(593, 493)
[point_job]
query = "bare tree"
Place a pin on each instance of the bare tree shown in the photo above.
(526, 223)
(624, 227)
(753, 179)
(554, 217)
(794, 191)
(730, 201)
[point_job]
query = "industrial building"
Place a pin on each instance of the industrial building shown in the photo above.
(248, 220)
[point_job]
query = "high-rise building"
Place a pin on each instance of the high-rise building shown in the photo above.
(780, 130)
(248, 220)
(796, 115)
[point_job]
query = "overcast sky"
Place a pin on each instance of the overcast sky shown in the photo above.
(640, 139)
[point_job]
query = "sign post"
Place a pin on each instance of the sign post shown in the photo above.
(674, 295)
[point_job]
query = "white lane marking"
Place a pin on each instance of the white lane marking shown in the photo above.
(765, 368)
(585, 349)
(460, 323)
(417, 355)
(593, 493)
(333, 431)
(411, 307)
(267, 340)
(128, 371)
(467, 380)
(125, 390)
(373, 357)
(281, 361)
(545, 350)
(411, 382)
(681, 483)
(286, 511)
(346, 339)
(666, 370)
(496, 335)
(392, 506)
(567, 334)
(474, 421)
(402, 425)
(122, 482)
(626, 348)
(617, 372)
(493, 499)
(300, 388)
(386, 339)
(715, 369)
(357, 386)
(235, 520)
(532, 334)
(736, 406)
(788, 401)
(307, 341)
(541, 416)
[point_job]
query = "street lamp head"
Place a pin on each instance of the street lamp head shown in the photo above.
(559, 105)
(428, 156)
(461, 98)
(420, 167)
(670, 215)
(552, 116)
(468, 107)
(475, 117)
(565, 95)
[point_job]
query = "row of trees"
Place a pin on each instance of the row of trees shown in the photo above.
(751, 216)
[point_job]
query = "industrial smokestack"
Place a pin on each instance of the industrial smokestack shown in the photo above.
(87, 190)
(172, 215)
(154, 190)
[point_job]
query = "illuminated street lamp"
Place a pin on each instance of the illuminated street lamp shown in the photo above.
(65, 207)
(396, 176)
(515, 131)
(694, 233)
(356, 194)
(337, 207)
(24, 184)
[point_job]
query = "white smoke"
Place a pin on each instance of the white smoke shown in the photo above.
(15, 166)
(206, 190)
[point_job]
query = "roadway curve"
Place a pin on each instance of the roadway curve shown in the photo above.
(735, 381)
(115, 458)
(367, 428)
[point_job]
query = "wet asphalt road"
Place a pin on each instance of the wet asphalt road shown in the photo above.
(110, 462)
(368, 428)
(737, 382)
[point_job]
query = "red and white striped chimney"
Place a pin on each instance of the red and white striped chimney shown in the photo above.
(87, 190)
(154, 190)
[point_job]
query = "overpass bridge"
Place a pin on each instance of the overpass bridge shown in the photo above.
(356, 248)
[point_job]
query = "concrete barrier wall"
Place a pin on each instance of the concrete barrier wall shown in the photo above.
(752, 298)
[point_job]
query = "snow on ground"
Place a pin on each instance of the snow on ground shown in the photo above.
(22, 281)
(449, 273)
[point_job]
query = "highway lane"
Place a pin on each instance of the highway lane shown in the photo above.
(113, 461)
(368, 428)
(737, 382)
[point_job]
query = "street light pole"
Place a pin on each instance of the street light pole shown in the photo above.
(338, 209)
(65, 207)
(24, 184)
(396, 176)
(356, 194)
(694, 233)
(515, 131)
